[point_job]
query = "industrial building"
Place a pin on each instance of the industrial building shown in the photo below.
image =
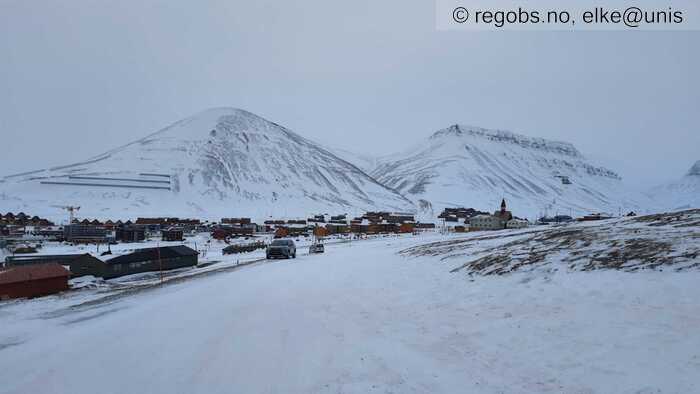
(151, 259)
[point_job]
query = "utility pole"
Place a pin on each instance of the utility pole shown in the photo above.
(160, 262)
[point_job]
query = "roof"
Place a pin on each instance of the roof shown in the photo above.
(295, 225)
(146, 254)
(28, 259)
(27, 273)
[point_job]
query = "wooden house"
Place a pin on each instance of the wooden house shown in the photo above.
(33, 280)
(172, 234)
(136, 233)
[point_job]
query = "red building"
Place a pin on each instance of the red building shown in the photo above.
(406, 228)
(34, 280)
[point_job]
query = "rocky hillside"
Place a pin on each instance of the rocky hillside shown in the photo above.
(669, 241)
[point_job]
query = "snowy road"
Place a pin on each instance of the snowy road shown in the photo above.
(361, 319)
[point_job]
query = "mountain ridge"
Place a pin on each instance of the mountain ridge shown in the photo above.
(226, 161)
(477, 167)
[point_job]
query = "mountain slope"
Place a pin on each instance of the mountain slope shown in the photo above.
(475, 167)
(681, 194)
(365, 162)
(221, 162)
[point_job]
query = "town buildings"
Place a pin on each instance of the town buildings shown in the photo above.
(22, 219)
(555, 219)
(156, 224)
(593, 217)
(457, 219)
(454, 214)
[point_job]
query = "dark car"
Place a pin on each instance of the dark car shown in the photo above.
(284, 248)
(316, 247)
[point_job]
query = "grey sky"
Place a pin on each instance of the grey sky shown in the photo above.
(80, 77)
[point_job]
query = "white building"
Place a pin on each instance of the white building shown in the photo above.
(517, 223)
(486, 222)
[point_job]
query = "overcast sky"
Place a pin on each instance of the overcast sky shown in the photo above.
(81, 77)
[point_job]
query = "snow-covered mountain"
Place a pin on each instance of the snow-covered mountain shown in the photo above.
(476, 167)
(365, 162)
(219, 163)
(681, 194)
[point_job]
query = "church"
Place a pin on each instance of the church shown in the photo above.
(504, 214)
(498, 221)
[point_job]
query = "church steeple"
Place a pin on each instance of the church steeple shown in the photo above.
(503, 206)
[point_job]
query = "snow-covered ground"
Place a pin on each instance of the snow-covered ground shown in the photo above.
(364, 318)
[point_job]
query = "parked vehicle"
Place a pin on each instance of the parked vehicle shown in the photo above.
(316, 247)
(243, 248)
(281, 248)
